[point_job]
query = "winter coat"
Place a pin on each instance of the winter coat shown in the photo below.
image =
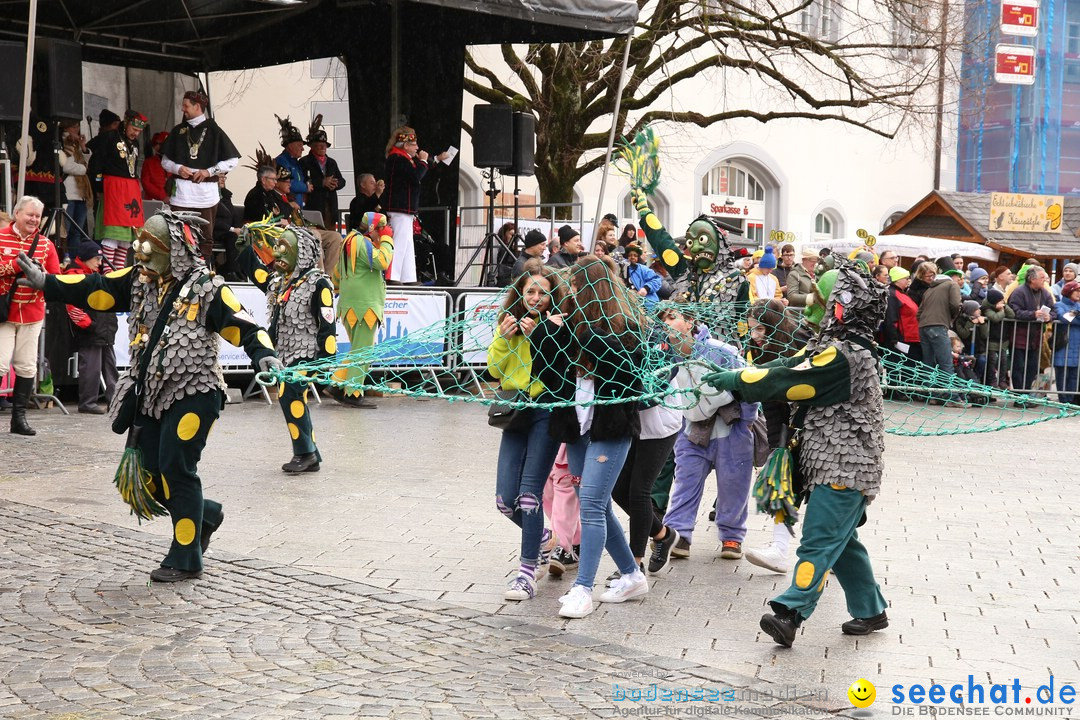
(1067, 334)
(901, 319)
(639, 277)
(940, 304)
(966, 330)
(1000, 327)
(1025, 302)
(800, 287)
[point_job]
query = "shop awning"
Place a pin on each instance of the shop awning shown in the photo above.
(910, 246)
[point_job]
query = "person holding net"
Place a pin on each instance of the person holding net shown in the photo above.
(593, 353)
(526, 450)
(835, 384)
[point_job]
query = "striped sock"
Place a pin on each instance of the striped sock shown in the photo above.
(528, 570)
(545, 547)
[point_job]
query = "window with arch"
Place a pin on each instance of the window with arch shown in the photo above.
(826, 226)
(732, 181)
(895, 217)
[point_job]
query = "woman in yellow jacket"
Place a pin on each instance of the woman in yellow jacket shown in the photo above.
(527, 451)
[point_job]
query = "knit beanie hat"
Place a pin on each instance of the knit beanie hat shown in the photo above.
(567, 233)
(994, 296)
(898, 273)
(1069, 288)
(977, 273)
(768, 260)
(1071, 266)
(533, 238)
(944, 263)
(88, 250)
(970, 307)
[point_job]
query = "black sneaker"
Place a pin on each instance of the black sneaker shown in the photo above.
(865, 626)
(681, 549)
(661, 553)
(561, 561)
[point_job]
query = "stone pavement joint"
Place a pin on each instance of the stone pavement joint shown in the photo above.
(86, 636)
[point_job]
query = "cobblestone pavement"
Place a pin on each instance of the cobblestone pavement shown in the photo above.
(375, 586)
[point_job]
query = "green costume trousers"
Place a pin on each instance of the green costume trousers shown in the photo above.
(171, 450)
(360, 336)
(661, 489)
(830, 542)
(293, 401)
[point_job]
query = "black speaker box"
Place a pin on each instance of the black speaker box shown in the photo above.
(493, 145)
(13, 61)
(524, 145)
(58, 79)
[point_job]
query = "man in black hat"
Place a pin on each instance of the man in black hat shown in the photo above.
(534, 248)
(293, 143)
(94, 333)
(570, 248)
(107, 122)
(323, 174)
(197, 151)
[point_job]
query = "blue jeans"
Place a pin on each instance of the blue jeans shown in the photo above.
(525, 459)
(599, 464)
(76, 210)
(1066, 378)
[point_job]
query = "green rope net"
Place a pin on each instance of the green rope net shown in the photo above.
(637, 346)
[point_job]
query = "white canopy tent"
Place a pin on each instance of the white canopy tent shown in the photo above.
(910, 246)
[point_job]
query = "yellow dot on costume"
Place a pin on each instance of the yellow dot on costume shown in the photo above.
(801, 392)
(327, 297)
(70, 279)
(824, 577)
(804, 575)
(165, 488)
(231, 335)
(100, 300)
(151, 485)
(653, 222)
(671, 258)
(230, 300)
(838, 486)
(188, 426)
(260, 275)
(305, 397)
(184, 531)
(119, 273)
(800, 353)
(824, 357)
(331, 344)
(281, 389)
(752, 375)
(296, 409)
(294, 431)
(264, 339)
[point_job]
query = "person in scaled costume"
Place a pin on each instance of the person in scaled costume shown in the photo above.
(174, 390)
(839, 417)
(360, 278)
(285, 263)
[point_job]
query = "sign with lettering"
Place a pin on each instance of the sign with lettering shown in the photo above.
(1020, 17)
(1014, 212)
(1014, 64)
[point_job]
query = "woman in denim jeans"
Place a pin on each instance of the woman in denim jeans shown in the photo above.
(597, 347)
(525, 457)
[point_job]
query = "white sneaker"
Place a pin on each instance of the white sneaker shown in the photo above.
(769, 557)
(627, 587)
(521, 588)
(577, 603)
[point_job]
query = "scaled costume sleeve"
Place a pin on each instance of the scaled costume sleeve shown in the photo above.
(107, 293)
(659, 239)
(251, 266)
(227, 317)
(822, 379)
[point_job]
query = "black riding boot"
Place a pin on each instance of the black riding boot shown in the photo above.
(20, 394)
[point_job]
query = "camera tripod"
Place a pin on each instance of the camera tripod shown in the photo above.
(491, 245)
